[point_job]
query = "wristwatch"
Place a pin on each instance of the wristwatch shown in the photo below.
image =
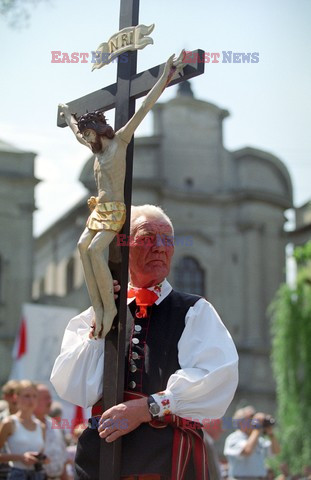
(154, 408)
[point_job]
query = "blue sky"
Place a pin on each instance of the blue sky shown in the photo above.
(269, 101)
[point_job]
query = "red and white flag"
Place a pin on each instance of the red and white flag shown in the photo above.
(36, 347)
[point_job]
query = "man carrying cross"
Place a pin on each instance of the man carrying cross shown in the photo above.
(108, 209)
(180, 360)
(181, 368)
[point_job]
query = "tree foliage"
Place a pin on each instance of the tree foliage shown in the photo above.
(17, 12)
(291, 357)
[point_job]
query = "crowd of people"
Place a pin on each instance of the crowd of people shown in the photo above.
(31, 448)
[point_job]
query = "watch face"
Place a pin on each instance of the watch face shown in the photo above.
(154, 409)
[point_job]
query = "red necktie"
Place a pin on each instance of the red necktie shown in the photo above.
(144, 299)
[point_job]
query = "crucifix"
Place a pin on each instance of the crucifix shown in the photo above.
(122, 96)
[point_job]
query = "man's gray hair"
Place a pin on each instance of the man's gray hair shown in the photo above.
(149, 211)
(244, 412)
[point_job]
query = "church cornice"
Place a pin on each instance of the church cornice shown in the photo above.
(242, 195)
(16, 177)
(194, 233)
(195, 104)
(269, 392)
(303, 229)
(149, 183)
(8, 148)
(261, 351)
(231, 196)
(27, 207)
(150, 141)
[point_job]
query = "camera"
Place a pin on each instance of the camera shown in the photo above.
(38, 465)
(267, 422)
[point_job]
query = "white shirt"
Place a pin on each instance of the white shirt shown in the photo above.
(202, 388)
(246, 465)
(23, 440)
(55, 449)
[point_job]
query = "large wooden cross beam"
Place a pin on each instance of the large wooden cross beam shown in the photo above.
(121, 95)
(139, 85)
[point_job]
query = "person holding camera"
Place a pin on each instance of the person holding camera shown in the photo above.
(24, 436)
(252, 442)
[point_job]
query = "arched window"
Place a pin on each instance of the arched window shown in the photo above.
(189, 276)
(70, 272)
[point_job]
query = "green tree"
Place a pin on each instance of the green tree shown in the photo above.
(17, 12)
(291, 358)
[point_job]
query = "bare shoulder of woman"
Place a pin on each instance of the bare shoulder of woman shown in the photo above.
(8, 421)
(6, 429)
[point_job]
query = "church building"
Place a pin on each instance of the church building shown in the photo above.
(17, 204)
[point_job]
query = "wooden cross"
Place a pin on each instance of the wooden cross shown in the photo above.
(122, 96)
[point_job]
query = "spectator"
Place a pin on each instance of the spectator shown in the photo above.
(55, 447)
(71, 449)
(246, 448)
(9, 395)
(24, 435)
(56, 410)
(10, 399)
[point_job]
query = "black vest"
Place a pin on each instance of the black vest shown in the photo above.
(154, 340)
(146, 449)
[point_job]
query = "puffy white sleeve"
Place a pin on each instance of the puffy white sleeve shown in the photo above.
(206, 382)
(77, 371)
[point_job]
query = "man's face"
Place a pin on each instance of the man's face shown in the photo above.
(151, 251)
(44, 401)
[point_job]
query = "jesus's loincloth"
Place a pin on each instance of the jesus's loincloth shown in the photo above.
(106, 216)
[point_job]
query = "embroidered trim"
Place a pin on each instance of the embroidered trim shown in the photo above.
(164, 401)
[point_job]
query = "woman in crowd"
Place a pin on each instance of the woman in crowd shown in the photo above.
(24, 435)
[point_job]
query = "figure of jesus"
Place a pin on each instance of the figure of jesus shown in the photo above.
(108, 209)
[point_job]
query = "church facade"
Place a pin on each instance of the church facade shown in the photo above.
(227, 208)
(17, 184)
